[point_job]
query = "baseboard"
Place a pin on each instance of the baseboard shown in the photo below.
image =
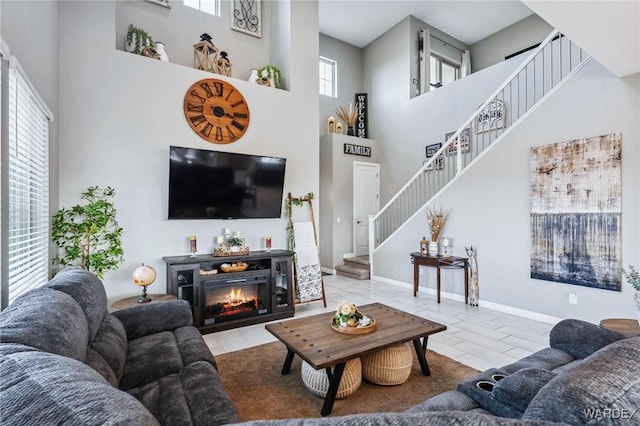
(328, 270)
(536, 316)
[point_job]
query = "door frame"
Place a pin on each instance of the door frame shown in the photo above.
(353, 204)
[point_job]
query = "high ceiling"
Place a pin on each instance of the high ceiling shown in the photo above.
(359, 22)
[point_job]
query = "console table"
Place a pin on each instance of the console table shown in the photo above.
(440, 262)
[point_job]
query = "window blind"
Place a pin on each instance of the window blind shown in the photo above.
(27, 193)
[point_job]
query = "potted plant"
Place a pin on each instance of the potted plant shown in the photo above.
(271, 73)
(88, 235)
(137, 40)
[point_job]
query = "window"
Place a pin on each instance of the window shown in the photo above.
(25, 189)
(328, 77)
(211, 7)
(443, 72)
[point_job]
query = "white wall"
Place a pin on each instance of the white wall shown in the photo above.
(490, 204)
(30, 30)
(336, 192)
(349, 78)
(521, 35)
(180, 27)
(120, 112)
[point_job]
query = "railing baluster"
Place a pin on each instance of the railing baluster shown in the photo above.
(521, 86)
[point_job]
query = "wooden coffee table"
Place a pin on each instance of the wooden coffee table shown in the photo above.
(313, 340)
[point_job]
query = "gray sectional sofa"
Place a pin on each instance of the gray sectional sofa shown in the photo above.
(65, 360)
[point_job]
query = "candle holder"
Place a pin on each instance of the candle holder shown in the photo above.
(446, 243)
(267, 243)
(193, 245)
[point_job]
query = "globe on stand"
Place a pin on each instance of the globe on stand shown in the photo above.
(144, 276)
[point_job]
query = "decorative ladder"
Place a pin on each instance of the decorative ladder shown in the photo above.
(544, 71)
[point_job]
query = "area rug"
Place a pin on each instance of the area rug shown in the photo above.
(256, 386)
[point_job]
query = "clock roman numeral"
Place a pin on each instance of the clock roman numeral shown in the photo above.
(219, 88)
(218, 134)
(229, 95)
(237, 125)
(194, 108)
(236, 104)
(207, 89)
(239, 115)
(232, 136)
(194, 93)
(206, 130)
(198, 120)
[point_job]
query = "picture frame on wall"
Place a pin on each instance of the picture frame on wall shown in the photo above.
(165, 3)
(431, 151)
(464, 141)
(492, 117)
(246, 17)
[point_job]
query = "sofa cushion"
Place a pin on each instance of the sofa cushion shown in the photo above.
(446, 401)
(581, 338)
(49, 320)
(38, 388)
(194, 396)
(516, 390)
(110, 345)
(544, 359)
(192, 346)
(149, 358)
(607, 383)
(87, 290)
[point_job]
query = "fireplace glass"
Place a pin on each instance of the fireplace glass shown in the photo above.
(232, 299)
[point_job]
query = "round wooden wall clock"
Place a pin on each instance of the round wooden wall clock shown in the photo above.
(216, 111)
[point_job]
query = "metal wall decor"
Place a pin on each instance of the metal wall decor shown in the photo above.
(246, 17)
(363, 112)
(576, 212)
(492, 117)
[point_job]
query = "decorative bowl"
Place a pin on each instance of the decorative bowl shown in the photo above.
(234, 267)
(355, 330)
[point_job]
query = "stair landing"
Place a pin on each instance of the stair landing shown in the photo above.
(355, 267)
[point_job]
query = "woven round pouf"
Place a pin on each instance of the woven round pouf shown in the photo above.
(318, 383)
(388, 366)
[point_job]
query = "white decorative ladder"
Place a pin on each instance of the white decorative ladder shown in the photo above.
(544, 71)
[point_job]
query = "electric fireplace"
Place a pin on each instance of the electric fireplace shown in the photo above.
(228, 299)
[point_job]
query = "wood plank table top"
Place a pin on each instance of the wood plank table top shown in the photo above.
(627, 326)
(313, 339)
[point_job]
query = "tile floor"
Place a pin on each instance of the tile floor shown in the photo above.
(478, 337)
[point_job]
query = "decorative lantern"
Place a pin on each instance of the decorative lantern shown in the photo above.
(424, 247)
(223, 65)
(205, 54)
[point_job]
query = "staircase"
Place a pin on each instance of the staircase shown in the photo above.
(544, 71)
(355, 267)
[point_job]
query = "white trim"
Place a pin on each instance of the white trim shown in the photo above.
(328, 270)
(14, 64)
(536, 316)
(4, 49)
(348, 255)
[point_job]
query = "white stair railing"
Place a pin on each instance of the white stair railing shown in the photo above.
(544, 70)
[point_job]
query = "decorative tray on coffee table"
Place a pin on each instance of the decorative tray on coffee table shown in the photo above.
(355, 330)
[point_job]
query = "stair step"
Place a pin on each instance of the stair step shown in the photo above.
(356, 272)
(359, 260)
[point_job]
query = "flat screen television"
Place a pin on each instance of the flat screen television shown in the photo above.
(207, 184)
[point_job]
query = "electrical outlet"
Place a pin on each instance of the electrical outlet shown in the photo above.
(337, 220)
(573, 298)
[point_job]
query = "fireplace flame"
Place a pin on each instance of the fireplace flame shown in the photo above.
(236, 296)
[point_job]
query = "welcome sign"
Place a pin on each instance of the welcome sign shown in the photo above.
(361, 122)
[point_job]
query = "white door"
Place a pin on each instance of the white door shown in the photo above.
(366, 201)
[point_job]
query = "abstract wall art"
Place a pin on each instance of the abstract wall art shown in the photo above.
(575, 217)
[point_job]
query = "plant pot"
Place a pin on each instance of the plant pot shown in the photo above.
(433, 248)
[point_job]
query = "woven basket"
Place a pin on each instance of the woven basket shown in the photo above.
(388, 366)
(318, 383)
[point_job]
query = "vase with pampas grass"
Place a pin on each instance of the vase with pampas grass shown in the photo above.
(349, 117)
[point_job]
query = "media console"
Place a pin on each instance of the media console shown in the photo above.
(224, 300)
